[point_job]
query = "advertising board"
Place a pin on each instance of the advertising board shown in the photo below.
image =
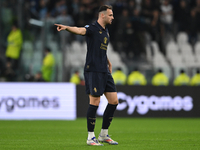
(148, 101)
(38, 101)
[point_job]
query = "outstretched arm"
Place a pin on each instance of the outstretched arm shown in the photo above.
(75, 30)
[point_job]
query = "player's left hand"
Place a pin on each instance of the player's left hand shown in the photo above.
(110, 68)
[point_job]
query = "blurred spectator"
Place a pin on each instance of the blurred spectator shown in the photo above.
(160, 79)
(91, 6)
(119, 77)
(123, 19)
(197, 11)
(167, 15)
(2, 67)
(182, 79)
(75, 7)
(6, 17)
(80, 18)
(9, 72)
(109, 2)
(75, 78)
(42, 9)
(38, 77)
(14, 46)
(28, 77)
(151, 14)
(34, 6)
(122, 31)
(195, 81)
(138, 35)
(133, 18)
(131, 6)
(48, 65)
(137, 20)
(80, 21)
(136, 78)
(59, 8)
(193, 28)
(127, 40)
(118, 7)
(182, 16)
(65, 19)
(138, 4)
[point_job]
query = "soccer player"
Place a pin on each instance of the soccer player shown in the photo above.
(97, 73)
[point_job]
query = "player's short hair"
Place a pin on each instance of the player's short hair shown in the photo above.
(104, 8)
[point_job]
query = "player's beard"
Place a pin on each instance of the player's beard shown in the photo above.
(109, 21)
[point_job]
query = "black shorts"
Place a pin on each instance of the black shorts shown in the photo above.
(96, 83)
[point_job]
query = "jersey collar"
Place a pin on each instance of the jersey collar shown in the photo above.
(99, 26)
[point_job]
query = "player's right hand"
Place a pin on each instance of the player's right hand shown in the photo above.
(60, 27)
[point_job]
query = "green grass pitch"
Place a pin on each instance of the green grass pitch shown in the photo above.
(131, 133)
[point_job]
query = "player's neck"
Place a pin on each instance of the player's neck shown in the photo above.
(101, 23)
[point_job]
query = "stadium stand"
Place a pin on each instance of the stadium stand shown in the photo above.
(159, 60)
(26, 56)
(170, 51)
(182, 39)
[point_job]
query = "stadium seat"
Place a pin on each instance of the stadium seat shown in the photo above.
(186, 49)
(76, 47)
(53, 46)
(159, 61)
(27, 46)
(189, 60)
(197, 48)
(37, 56)
(72, 60)
(26, 56)
(114, 57)
(182, 38)
(171, 49)
(38, 45)
(197, 61)
(188, 55)
(176, 61)
(35, 67)
(110, 48)
(59, 65)
(26, 59)
(197, 53)
(148, 53)
(155, 47)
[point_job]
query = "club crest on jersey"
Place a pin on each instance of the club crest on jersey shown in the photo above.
(95, 90)
(100, 32)
(105, 40)
(87, 26)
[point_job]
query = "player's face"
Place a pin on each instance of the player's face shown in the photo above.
(108, 16)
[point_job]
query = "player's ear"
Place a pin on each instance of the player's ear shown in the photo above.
(103, 14)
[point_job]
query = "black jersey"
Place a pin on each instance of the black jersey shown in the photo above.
(97, 39)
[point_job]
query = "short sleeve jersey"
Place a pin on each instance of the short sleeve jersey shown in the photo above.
(97, 39)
